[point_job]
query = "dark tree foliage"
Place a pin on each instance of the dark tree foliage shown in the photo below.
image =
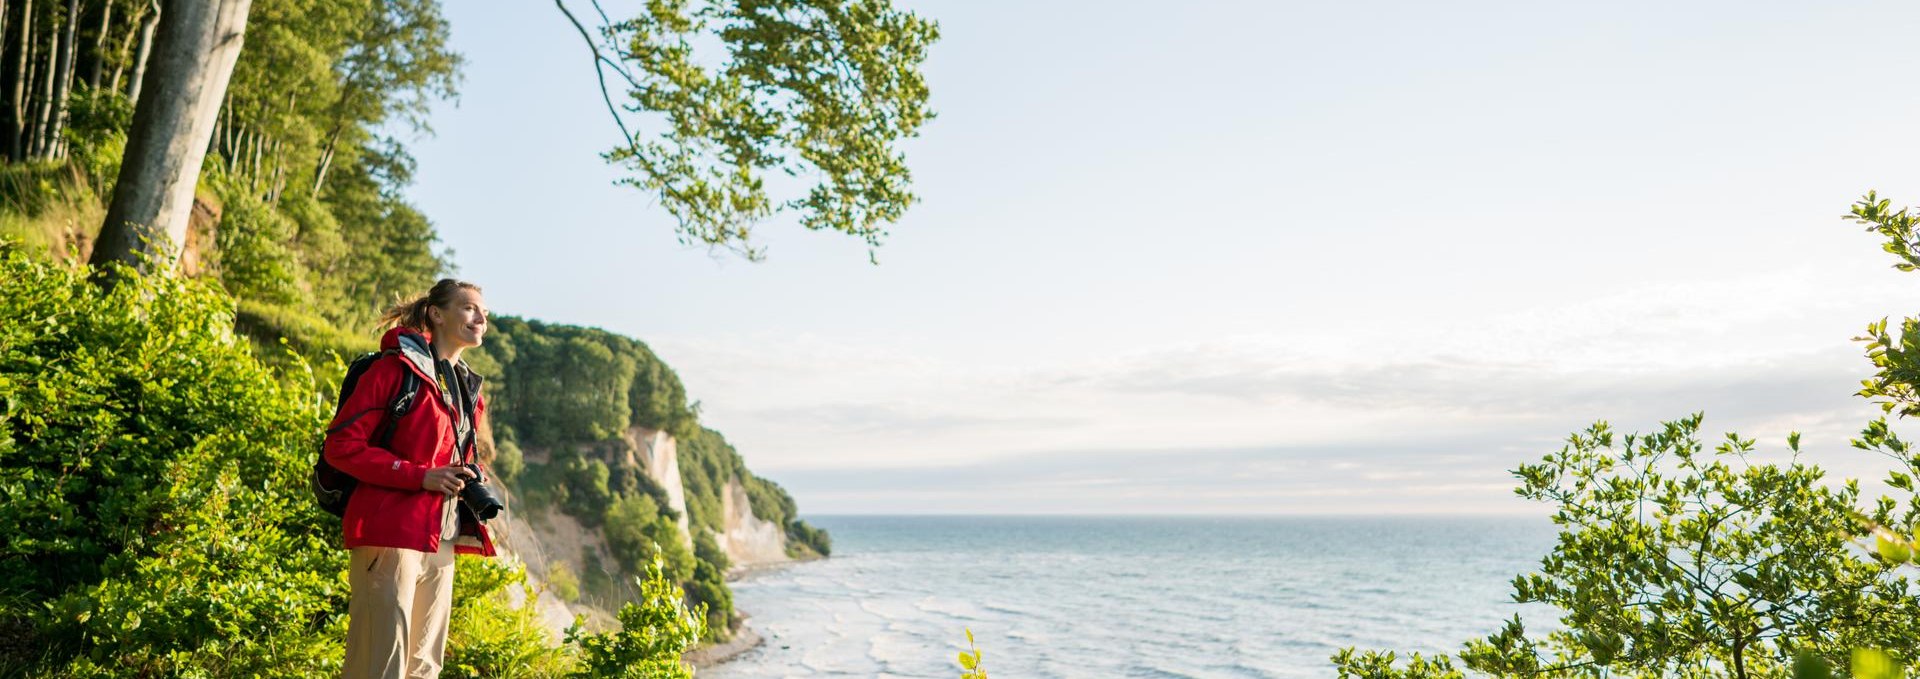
(569, 384)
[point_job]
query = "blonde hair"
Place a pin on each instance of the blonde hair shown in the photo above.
(412, 315)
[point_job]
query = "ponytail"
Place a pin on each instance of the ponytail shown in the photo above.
(412, 315)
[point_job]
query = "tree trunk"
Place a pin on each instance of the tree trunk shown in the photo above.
(100, 49)
(147, 26)
(3, 38)
(63, 79)
(16, 99)
(126, 47)
(326, 161)
(197, 44)
(43, 108)
(23, 88)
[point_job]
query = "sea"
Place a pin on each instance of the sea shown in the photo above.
(1102, 596)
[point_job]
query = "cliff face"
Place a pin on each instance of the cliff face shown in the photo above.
(656, 451)
(748, 539)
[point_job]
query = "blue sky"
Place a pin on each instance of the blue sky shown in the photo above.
(1248, 257)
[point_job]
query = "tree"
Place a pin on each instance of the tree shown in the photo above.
(806, 88)
(1676, 561)
(193, 58)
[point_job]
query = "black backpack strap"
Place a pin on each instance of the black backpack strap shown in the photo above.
(403, 401)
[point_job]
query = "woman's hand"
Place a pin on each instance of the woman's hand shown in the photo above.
(446, 480)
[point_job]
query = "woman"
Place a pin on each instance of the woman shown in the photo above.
(405, 522)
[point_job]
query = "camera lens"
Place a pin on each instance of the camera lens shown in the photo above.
(479, 496)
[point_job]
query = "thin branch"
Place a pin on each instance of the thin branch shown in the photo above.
(598, 72)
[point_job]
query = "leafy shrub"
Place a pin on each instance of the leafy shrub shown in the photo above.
(257, 256)
(638, 533)
(564, 583)
(654, 632)
(490, 639)
(586, 494)
(152, 484)
(508, 461)
(1675, 561)
(708, 589)
(800, 533)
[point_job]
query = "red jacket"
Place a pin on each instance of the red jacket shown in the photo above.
(389, 508)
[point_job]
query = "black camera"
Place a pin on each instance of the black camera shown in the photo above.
(479, 497)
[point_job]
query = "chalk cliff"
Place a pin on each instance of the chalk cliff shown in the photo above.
(658, 453)
(748, 539)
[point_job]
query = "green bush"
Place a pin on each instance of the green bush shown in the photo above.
(801, 534)
(508, 461)
(564, 583)
(258, 260)
(152, 484)
(654, 632)
(587, 495)
(638, 534)
(490, 639)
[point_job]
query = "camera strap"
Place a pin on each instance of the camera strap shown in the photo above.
(454, 389)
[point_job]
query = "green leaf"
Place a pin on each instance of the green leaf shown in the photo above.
(1894, 551)
(967, 660)
(1874, 664)
(1806, 665)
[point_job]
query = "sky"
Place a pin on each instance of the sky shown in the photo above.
(1247, 257)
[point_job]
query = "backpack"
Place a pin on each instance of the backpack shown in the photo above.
(332, 487)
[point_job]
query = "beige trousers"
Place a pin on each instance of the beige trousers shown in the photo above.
(397, 616)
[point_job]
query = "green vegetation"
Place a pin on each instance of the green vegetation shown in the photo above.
(158, 433)
(970, 667)
(312, 232)
(154, 517)
(823, 92)
(655, 630)
(143, 444)
(563, 383)
(1676, 560)
(303, 227)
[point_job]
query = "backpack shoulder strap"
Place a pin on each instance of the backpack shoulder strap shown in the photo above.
(403, 401)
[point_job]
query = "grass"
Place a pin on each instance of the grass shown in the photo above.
(50, 206)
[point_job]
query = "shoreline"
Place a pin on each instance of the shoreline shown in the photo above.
(745, 637)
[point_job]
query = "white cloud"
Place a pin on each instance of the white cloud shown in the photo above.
(1430, 415)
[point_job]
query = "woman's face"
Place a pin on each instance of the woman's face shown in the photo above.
(463, 321)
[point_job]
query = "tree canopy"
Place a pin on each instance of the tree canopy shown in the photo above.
(725, 104)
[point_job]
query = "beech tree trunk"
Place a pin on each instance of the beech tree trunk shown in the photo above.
(148, 25)
(43, 107)
(194, 50)
(63, 79)
(99, 61)
(17, 101)
(3, 36)
(140, 15)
